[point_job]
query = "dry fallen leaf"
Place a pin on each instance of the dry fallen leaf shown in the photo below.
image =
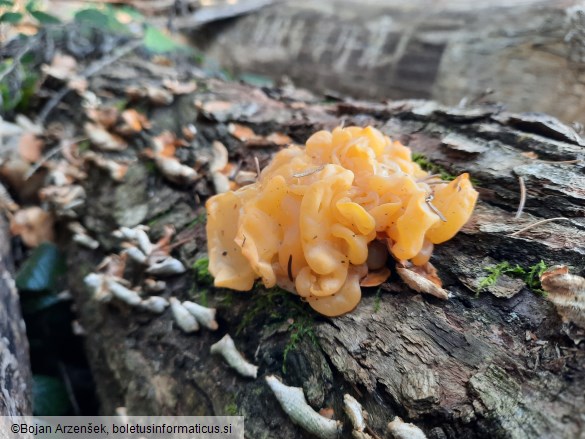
(163, 154)
(423, 279)
(113, 265)
(62, 67)
(30, 147)
(241, 132)
(216, 110)
(252, 140)
(178, 88)
(116, 170)
(104, 116)
(158, 96)
(103, 139)
(132, 122)
(567, 292)
(34, 225)
(279, 139)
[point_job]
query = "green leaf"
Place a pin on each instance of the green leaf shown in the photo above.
(256, 80)
(49, 396)
(132, 12)
(6, 3)
(103, 20)
(92, 16)
(44, 18)
(157, 42)
(31, 5)
(40, 271)
(11, 17)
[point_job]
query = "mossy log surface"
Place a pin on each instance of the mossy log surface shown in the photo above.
(475, 366)
(15, 375)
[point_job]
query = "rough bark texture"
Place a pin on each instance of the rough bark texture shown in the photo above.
(530, 53)
(476, 366)
(15, 375)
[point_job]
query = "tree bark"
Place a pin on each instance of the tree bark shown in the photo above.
(530, 54)
(15, 375)
(475, 366)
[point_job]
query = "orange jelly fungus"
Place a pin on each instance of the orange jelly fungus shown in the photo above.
(307, 223)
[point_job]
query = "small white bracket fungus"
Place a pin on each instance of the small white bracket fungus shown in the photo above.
(174, 170)
(402, 430)
(184, 318)
(292, 400)
(144, 252)
(144, 242)
(165, 267)
(99, 287)
(155, 304)
(105, 287)
(153, 285)
(86, 241)
(124, 233)
(81, 236)
(354, 412)
(124, 294)
(205, 316)
(227, 349)
(136, 255)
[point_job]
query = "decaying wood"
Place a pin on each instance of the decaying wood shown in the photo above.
(15, 375)
(528, 54)
(474, 366)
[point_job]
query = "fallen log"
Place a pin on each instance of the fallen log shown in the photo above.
(495, 364)
(526, 54)
(15, 374)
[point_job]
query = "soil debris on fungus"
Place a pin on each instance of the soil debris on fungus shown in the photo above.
(307, 223)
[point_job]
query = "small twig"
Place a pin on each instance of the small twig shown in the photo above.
(309, 172)
(42, 161)
(90, 71)
(433, 208)
(434, 182)
(69, 388)
(522, 197)
(538, 223)
(49, 155)
(257, 163)
(16, 59)
(429, 177)
(169, 247)
(371, 432)
(562, 162)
